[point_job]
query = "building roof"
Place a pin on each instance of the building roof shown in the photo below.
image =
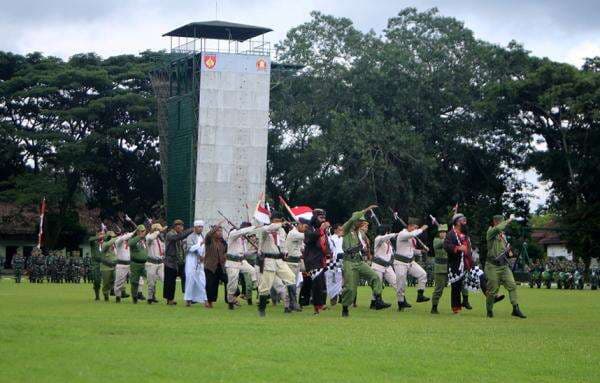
(549, 234)
(217, 29)
(24, 220)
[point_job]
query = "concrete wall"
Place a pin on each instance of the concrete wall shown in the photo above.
(555, 251)
(232, 134)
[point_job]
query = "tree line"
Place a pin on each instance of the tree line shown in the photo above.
(417, 118)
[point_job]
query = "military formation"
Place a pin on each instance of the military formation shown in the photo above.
(51, 268)
(563, 274)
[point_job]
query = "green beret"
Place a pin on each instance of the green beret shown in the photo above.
(443, 227)
(414, 221)
(110, 233)
(498, 217)
(178, 222)
(141, 227)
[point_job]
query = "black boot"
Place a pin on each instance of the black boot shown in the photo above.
(380, 304)
(135, 300)
(97, 293)
(124, 294)
(118, 299)
(434, 309)
(517, 312)
(490, 314)
(293, 299)
(465, 303)
(421, 297)
(403, 305)
(262, 305)
(345, 312)
(106, 297)
(372, 306)
(141, 296)
(250, 301)
(231, 305)
(498, 298)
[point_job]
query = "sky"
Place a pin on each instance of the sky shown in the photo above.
(565, 31)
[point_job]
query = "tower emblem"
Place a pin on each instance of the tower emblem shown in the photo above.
(210, 61)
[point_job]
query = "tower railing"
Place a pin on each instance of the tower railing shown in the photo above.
(258, 47)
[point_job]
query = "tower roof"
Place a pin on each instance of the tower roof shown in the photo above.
(217, 29)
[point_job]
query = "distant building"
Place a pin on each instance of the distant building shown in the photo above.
(19, 230)
(551, 241)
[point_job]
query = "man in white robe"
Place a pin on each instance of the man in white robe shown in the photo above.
(333, 278)
(195, 286)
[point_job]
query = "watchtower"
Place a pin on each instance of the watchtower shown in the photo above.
(212, 109)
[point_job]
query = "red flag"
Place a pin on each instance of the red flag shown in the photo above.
(298, 211)
(42, 212)
(262, 214)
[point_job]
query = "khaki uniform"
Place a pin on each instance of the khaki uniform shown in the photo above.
(404, 262)
(294, 245)
(383, 260)
(155, 269)
(237, 248)
(271, 239)
(122, 268)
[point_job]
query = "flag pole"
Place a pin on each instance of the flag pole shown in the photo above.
(41, 232)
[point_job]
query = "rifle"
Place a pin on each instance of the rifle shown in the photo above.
(375, 217)
(397, 218)
(236, 228)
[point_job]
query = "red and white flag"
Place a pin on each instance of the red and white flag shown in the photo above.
(42, 212)
(298, 212)
(262, 214)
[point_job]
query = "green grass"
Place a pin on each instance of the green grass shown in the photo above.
(57, 333)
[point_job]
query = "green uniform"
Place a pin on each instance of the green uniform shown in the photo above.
(18, 264)
(139, 256)
(107, 266)
(440, 269)
(498, 272)
(353, 266)
(96, 260)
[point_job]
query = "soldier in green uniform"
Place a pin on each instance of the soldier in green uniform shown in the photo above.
(18, 263)
(440, 267)
(139, 256)
(95, 261)
(75, 267)
(108, 263)
(497, 269)
(86, 264)
(39, 264)
(354, 267)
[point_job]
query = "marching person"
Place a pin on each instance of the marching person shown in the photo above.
(354, 267)
(122, 268)
(271, 239)
(96, 250)
(109, 260)
(237, 248)
(461, 270)
(315, 255)
(404, 262)
(382, 262)
(440, 268)
(195, 280)
(215, 256)
(497, 269)
(155, 269)
(139, 256)
(174, 260)
(294, 245)
(333, 277)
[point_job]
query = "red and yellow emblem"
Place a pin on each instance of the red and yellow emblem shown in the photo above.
(261, 64)
(210, 61)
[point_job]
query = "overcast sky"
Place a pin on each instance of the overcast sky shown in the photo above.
(566, 31)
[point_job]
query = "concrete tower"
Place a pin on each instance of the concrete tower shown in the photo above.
(213, 112)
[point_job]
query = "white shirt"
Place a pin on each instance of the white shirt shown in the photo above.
(156, 247)
(122, 247)
(406, 243)
(383, 247)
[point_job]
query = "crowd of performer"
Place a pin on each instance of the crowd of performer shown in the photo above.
(301, 263)
(565, 274)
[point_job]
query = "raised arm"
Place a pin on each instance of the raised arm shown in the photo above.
(124, 237)
(173, 236)
(494, 231)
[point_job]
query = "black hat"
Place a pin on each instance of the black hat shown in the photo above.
(304, 221)
(414, 221)
(245, 224)
(319, 211)
(276, 215)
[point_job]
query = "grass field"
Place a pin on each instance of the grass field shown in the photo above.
(57, 333)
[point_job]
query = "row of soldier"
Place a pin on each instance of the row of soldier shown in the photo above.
(309, 258)
(53, 267)
(565, 274)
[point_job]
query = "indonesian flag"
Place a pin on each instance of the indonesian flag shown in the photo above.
(42, 212)
(262, 214)
(298, 212)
